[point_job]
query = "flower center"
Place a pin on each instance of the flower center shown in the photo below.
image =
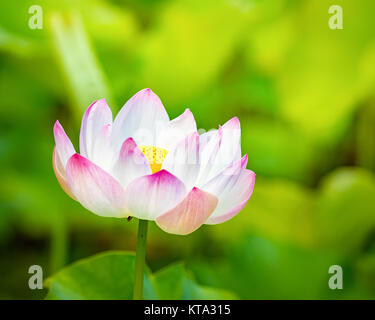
(155, 156)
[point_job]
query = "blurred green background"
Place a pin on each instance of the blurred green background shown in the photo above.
(306, 101)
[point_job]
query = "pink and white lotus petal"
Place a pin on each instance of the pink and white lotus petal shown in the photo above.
(149, 196)
(139, 118)
(219, 148)
(183, 160)
(189, 214)
(204, 138)
(230, 147)
(233, 187)
(231, 143)
(226, 179)
(102, 151)
(94, 188)
(131, 163)
(209, 149)
(243, 190)
(95, 118)
(64, 146)
(176, 130)
(59, 170)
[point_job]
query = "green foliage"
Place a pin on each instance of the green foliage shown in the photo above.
(104, 276)
(304, 95)
(346, 209)
(173, 283)
(110, 275)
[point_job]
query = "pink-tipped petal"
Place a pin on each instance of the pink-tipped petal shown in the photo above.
(232, 139)
(102, 152)
(95, 118)
(59, 170)
(189, 214)
(227, 178)
(176, 130)
(94, 188)
(149, 196)
(64, 146)
(183, 160)
(209, 147)
(206, 137)
(228, 150)
(232, 199)
(131, 163)
(230, 147)
(233, 124)
(139, 118)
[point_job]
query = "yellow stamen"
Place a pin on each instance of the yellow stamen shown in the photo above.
(155, 156)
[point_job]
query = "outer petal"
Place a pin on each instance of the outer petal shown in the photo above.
(102, 151)
(176, 130)
(95, 118)
(206, 137)
(64, 147)
(189, 214)
(230, 148)
(226, 180)
(219, 149)
(209, 147)
(233, 187)
(231, 143)
(149, 196)
(131, 163)
(139, 118)
(183, 160)
(94, 188)
(59, 170)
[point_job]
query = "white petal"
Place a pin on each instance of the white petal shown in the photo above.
(102, 152)
(64, 146)
(95, 118)
(183, 160)
(189, 214)
(149, 196)
(230, 147)
(233, 187)
(139, 118)
(176, 130)
(219, 149)
(94, 188)
(209, 147)
(229, 207)
(206, 137)
(131, 163)
(59, 170)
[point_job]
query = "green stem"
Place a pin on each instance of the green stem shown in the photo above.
(140, 260)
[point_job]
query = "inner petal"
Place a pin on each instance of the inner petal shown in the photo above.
(155, 156)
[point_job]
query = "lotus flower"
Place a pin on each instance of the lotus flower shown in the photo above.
(144, 165)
